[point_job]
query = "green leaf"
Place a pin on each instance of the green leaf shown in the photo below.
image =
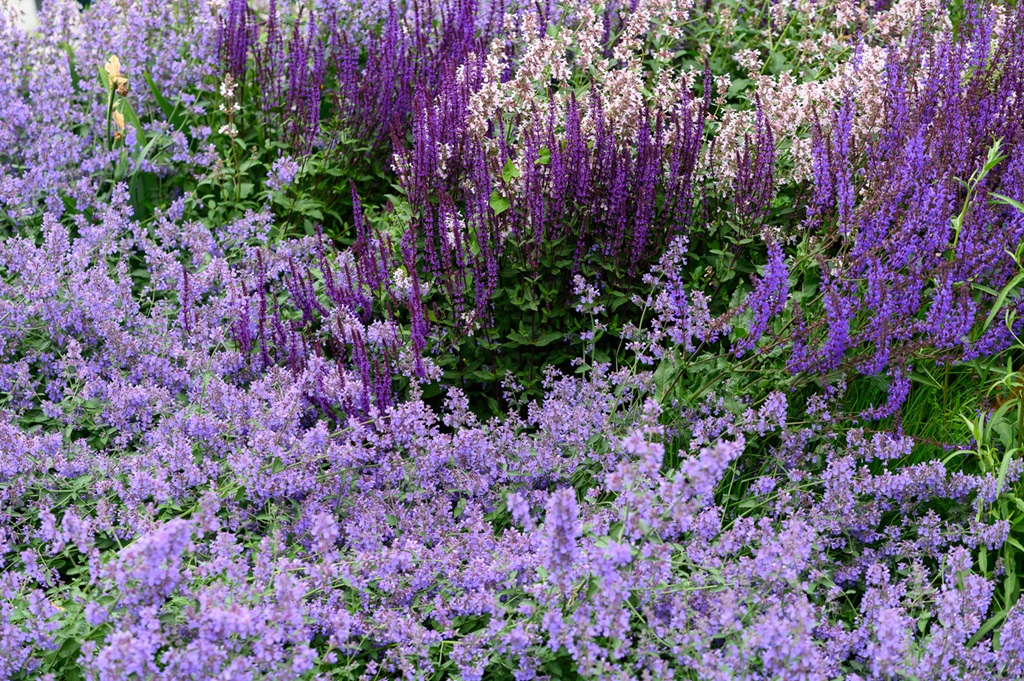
(777, 63)
(104, 78)
(543, 156)
(130, 117)
(309, 207)
(519, 338)
(987, 627)
(925, 379)
(664, 372)
(482, 376)
(994, 157)
(499, 204)
(1001, 299)
(510, 171)
(547, 339)
(161, 101)
(75, 78)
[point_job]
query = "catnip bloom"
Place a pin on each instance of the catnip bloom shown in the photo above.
(282, 173)
(561, 532)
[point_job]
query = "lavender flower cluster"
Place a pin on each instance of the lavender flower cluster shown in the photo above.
(230, 520)
(228, 451)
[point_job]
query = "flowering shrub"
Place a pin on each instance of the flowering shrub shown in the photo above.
(510, 340)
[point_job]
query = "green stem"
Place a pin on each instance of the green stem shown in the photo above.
(110, 114)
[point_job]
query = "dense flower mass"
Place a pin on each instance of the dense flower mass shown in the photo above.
(487, 339)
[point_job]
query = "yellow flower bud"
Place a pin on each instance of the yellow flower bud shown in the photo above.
(113, 69)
